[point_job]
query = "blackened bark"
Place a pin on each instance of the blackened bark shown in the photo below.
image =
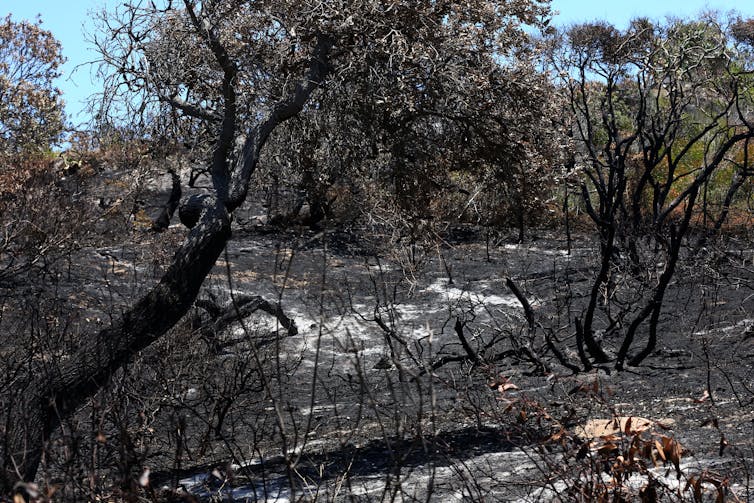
(284, 110)
(472, 355)
(46, 399)
(580, 346)
(39, 403)
(586, 332)
(528, 311)
(191, 209)
(529, 314)
(654, 307)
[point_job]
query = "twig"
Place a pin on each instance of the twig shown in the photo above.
(469, 351)
(529, 314)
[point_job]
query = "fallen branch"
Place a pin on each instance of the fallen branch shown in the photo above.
(528, 311)
(244, 306)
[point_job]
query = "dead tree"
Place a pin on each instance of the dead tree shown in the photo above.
(635, 140)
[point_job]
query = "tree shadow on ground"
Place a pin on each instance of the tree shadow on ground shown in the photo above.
(375, 458)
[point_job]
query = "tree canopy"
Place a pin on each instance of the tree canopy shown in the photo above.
(31, 108)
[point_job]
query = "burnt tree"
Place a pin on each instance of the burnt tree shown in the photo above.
(38, 403)
(222, 76)
(657, 111)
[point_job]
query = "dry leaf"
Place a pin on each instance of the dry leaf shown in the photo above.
(603, 427)
(703, 398)
(627, 425)
(557, 436)
(507, 386)
(660, 450)
(607, 448)
(673, 452)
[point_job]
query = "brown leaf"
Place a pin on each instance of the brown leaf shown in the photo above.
(695, 483)
(632, 452)
(703, 398)
(607, 448)
(697, 489)
(592, 387)
(557, 436)
(673, 452)
(660, 450)
(627, 426)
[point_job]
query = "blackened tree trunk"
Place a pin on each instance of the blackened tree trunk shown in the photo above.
(37, 408)
(39, 403)
(654, 307)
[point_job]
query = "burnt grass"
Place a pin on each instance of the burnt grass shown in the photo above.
(697, 384)
(375, 396)
(371, 423)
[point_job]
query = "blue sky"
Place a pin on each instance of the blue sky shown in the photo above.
(619, 12)
(68, 19)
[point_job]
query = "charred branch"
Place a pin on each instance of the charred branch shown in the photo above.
(281, 112)
(220, 318)
(529, 314)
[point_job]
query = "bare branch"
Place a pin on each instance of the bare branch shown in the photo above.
(282, 111)
(189, 109)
